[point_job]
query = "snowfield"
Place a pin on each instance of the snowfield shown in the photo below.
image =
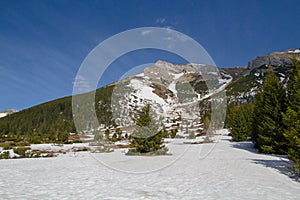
(2, 115)
(221, 170)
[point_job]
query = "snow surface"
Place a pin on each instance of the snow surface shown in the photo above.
(145, 92)
(221, 170)
(52, 147)
(177, 76)
(294, 51)
(2, 115)
(172, 87)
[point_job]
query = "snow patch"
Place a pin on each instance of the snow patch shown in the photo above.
(3, 115)
(146, 92)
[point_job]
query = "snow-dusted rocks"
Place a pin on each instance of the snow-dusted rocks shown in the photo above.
(167, 88)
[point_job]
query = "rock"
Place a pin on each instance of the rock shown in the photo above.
(270, 60)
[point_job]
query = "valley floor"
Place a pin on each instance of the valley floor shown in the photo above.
(221, 170)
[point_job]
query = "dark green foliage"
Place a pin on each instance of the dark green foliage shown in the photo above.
(243, 84)
(164, 132)
(200, 87)
(114, 137)
(4, 155)
(239, 119)
(291, 117)
(106, 133)
(21, 151)
(119, 133)
(43, 123)
(205, 115)
(103, 109)
(146, 137)
(173, 133)
(40, 122)
(267, 121)
(63, 136)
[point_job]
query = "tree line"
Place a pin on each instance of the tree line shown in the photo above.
(272, 121)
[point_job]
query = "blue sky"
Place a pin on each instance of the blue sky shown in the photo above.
(43, 43)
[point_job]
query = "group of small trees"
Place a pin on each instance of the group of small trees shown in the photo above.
(291, 118)
(239, 118)
(273, 120)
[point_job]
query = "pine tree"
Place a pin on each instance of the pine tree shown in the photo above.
(63, 136)
(268, 125)
(106, 133)
(146, 137)
(119, 133)
(291, 117)
(239, 119)
(114, 137)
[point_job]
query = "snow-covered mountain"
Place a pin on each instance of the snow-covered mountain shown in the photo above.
(173, 91)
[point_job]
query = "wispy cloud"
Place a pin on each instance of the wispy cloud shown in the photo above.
(82, 84)
(160, 20)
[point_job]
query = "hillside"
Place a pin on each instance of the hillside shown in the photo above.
(175, 92)
(250, 79)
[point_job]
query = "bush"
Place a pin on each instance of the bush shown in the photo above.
(4, 155)
(21, 151)
(9, 145)
(239, 119)
(159, 152)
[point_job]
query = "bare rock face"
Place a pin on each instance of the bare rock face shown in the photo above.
(270, 61)
(276, 59)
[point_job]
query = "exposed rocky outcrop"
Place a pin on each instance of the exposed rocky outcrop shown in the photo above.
(276, 59)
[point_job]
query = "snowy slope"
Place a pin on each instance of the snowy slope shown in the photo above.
(7, 112)
(3, 115)
(229, 171)
(166, 87)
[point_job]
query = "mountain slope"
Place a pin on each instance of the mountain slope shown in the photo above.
(174, 92)
(244, 88)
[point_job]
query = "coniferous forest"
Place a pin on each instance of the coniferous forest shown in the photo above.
(272, 121)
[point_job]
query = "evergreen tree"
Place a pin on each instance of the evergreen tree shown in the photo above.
(291, 117)
(119, 133)
(239, 119)
(106, 133)
(114, 137)
(173, 133)
(63, 136)
(268, 125)
(146, 137)
(257, 117)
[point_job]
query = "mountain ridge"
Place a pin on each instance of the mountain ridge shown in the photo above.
(173, 84)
